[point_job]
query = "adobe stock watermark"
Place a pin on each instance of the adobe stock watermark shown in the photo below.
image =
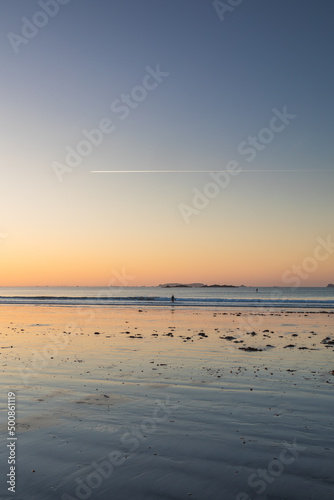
(298, 273)
(294, 277)
(118, 279)
(224, 7)
(260, 480)
(58, 343)
(3, 237)
(248, 148)
(41, 359)
(121, 107)
(30, 27)
(129, 443)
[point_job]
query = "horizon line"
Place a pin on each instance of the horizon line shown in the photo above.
(164, 285)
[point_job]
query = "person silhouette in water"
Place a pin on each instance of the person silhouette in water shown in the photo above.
(172, 298)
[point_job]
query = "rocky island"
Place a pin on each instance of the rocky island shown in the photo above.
(195, 285)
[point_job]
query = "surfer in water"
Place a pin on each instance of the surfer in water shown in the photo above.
(172, 298)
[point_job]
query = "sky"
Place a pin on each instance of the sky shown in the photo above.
(159, 94)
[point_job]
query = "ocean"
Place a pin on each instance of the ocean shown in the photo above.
(275, 297)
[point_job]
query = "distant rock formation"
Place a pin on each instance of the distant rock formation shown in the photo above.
(220, 286)
(178, 285)
(194, 285)
(330, 285)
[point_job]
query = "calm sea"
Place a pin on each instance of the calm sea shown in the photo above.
(185, 297)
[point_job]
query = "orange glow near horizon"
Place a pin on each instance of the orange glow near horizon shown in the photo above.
(137, 268)
(243, 237)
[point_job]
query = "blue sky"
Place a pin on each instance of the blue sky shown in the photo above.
(225, 78)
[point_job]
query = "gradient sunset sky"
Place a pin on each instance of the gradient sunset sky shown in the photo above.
(223, 77)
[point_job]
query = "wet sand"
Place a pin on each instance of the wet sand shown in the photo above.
(169, 403)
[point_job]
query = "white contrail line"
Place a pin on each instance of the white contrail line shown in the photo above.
(200, 171)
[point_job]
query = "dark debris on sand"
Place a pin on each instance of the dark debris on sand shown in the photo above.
(327, 341)
(250, 349)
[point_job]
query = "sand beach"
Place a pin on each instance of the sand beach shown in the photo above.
(168, 403)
